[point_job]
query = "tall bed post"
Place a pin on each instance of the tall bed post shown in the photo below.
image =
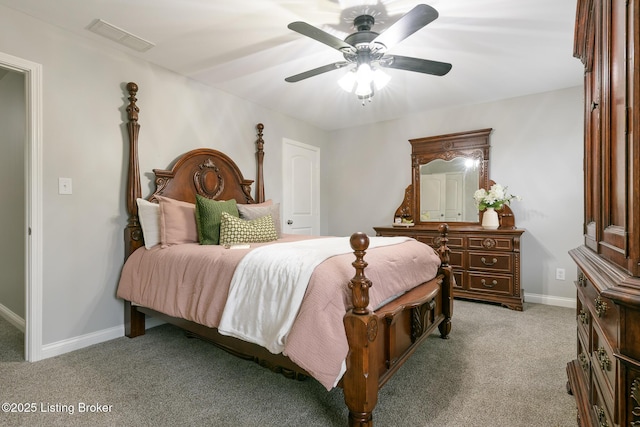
(449, 280)
(360, 381)
(133, 238)
(260, 161)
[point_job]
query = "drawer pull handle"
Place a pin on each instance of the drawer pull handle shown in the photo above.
(584, 317)
(582, 281)
(603, 359)
(584, 361)
(493, 283)
(484, 261)
(600, 414)
(601, 307)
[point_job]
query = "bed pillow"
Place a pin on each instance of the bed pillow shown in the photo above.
(234, 230)
(177, 222)
(149, 216)
(259, 210)
(208, 216)
(268, 202)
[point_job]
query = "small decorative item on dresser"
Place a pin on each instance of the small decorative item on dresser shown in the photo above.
(491, 200)
(490, 219)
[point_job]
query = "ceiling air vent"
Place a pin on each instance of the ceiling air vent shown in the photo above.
(119, 35)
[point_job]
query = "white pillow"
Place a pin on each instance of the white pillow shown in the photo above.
(149, 216)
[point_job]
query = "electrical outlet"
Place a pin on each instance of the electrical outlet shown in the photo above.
(559, 273)
(64, 186)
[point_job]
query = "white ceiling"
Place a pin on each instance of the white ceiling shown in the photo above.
(499, 49)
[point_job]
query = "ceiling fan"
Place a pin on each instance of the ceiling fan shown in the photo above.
(368, 50)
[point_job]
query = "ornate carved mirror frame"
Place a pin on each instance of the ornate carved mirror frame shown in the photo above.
(472, 145)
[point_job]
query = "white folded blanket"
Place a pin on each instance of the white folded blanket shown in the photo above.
(269, 283)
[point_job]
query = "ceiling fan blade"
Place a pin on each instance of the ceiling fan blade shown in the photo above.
(319, 35)
(316, 71)
(415, 64)
(411, 22)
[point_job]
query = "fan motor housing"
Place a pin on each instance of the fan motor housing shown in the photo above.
(361, 37)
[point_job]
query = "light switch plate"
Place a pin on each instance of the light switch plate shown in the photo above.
(64, 186)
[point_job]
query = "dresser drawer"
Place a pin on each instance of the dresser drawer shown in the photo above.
(584, 359)
(606, 315)
(491, 243)
(455, 259)
(583, 318)
(603, 364)
(603, 310)
(434, 240)
(488, 261)
(601, 413)
(490, 283)
(459, 276)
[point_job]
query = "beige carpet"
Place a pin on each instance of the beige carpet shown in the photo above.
(499, 368)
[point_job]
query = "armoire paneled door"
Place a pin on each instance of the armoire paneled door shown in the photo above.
(605, 376)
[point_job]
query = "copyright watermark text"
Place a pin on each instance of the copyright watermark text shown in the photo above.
(56, 408)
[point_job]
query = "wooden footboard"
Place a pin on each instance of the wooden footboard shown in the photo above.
(379, 342)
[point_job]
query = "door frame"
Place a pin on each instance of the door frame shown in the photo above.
(33, 202)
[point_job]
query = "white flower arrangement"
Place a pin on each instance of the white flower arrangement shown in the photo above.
(495, 198)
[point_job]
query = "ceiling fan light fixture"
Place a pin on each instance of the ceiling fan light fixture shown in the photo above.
(364, 90)
(364, 75)
(348, 81)
(380, 78)
(363, 80)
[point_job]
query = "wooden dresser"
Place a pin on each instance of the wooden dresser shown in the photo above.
(486, 263)
(605, 376)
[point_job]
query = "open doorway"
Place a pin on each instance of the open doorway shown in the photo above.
(13, 122)
(29, 232)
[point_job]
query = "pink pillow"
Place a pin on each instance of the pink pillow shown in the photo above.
(265, 203)
(177, 222)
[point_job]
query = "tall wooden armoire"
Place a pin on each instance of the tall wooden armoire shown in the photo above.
(605, 376)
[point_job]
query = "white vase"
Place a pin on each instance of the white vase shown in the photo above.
(490, 219)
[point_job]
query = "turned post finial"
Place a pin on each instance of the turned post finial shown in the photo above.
(132, 108)
(359, 285)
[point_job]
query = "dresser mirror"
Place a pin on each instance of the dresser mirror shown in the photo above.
(446, 171)
(446, 190)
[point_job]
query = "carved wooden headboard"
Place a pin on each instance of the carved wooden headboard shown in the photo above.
(203, 171)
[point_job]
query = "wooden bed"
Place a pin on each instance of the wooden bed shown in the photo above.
(379, 342)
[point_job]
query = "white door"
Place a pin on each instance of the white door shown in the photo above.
(432, 197)
(453, 197)
(301, 188)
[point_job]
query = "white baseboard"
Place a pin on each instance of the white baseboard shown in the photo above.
(550, 300)
(12, 318)
(76, 343)
(82, 341)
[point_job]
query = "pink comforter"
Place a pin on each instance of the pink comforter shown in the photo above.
(191, 281)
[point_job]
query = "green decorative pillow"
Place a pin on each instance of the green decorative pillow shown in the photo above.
(208, 216)
(234, 230)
